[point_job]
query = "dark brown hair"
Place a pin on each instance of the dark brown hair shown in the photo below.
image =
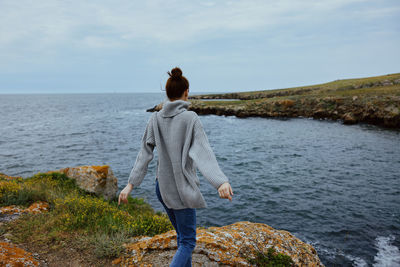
(176, 83)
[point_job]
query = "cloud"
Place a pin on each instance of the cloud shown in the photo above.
(105, 24)
(238, 40)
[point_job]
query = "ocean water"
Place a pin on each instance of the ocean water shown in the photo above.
(334, 186)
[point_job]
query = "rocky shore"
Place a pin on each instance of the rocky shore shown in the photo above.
(373, 100)
(228, 245)
(47, 228)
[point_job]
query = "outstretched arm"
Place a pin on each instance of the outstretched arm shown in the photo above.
(201, 153)
(144, 156)
(143, 159)
(203, 156)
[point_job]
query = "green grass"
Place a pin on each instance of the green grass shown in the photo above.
(334, 88)
(77, 216)
(270, 259)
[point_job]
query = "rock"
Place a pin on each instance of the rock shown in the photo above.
(155, 108)
(320, 113)
(12, 212)
(367, 85)
(12, 256)
(386, 83)
(392, 110)
(220, 246)
(95, 179)
(348, 118)
(37, 207)
(287, 102)
(355, 98)
(375, 84)
(397, 81)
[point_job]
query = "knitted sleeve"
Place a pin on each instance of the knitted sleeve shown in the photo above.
(203, 156)
(144, 156)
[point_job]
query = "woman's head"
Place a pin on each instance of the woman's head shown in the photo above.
(176, 84)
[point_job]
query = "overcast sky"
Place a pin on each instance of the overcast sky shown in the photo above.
(50, 46)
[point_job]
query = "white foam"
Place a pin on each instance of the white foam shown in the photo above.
(388, 254)
(357, 262)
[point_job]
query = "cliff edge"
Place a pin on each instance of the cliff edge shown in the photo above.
(51, 219)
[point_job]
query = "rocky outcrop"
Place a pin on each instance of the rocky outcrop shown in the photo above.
(229, 245)
(11, 212)
(373, 100)
(94, 179)
(10, 254)
(13, 256)
(383, 111)
(220, 246)
(155, 108)
(257, 95)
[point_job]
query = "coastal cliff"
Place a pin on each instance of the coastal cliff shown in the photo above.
(373, 100)
(50, 219)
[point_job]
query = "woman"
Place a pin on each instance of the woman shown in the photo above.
(182, 145)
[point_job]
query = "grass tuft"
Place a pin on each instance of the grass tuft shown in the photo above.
(77, 216)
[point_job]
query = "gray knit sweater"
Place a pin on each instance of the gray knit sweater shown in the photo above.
(182, 145)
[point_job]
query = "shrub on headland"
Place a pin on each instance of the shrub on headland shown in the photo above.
(72, 210)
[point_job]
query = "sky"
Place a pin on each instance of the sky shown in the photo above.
(69, 46)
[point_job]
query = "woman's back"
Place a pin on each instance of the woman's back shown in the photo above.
(173, 122)
(182, 145)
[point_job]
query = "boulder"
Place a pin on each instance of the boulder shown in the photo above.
(320, 113)
(386, 83)
(348, 118)
(94, 179)
(220, 246)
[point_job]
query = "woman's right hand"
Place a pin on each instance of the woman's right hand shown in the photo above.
(225, 191)
(123, 196)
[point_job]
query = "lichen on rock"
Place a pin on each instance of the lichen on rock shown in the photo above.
(13, 256)
(95, 179)
(221, 246)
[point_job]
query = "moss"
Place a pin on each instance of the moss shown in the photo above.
(271, 259)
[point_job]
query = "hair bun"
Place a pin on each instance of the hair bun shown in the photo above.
(176, 73)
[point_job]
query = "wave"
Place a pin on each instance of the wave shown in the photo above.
(388, 254)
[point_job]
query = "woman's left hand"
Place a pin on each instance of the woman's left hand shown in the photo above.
(225, 191)
(123, 196)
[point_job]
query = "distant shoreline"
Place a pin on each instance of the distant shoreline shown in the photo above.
(373, 100)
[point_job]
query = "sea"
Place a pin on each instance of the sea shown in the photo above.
(334, 186)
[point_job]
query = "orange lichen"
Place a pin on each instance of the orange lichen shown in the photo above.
(99, 171)
(59, 171)
(7, 177)
(287, 103)
(36, 207)
(102, 170)
(224, 244)
(12, 256)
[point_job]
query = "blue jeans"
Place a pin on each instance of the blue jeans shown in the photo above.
(184, 222)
